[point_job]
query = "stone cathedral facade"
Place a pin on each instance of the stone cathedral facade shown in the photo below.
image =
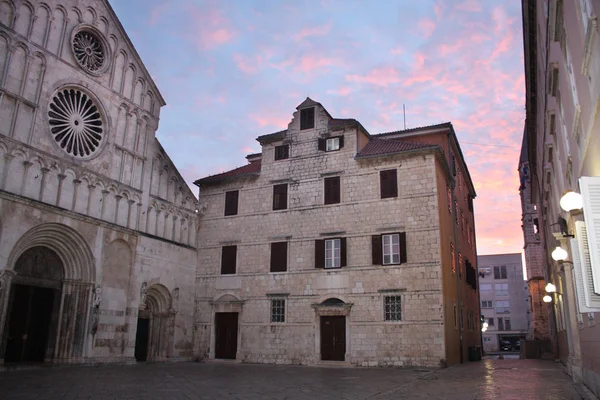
(97, 227)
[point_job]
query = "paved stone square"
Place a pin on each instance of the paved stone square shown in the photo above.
(489, 379)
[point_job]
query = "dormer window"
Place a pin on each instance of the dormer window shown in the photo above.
(307, 118)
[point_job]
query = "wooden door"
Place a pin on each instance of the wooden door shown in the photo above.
(141, 339)
(226, 328)
(333, 338)
(29, 325)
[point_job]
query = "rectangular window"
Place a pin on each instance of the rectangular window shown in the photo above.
(507, 324)
(501, 289)
(332, 190)
(389, 183)
(282, 152)
(330, 253)
(500, 324)
(278, 310)
(486, 304)
(449, 192)
(491, 322)
(228, 260)
(307, 118)
(502, 306)
(452, 255)
(332, 144)
(333, 253)
(393, 308)
(231, 202)
(455, 318)
(391, 249)
(280, 196)
(554, 82)
(279, 256)
(500, 272)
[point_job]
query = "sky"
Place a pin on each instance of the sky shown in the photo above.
(233, 70)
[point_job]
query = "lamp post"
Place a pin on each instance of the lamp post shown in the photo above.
(571, 201)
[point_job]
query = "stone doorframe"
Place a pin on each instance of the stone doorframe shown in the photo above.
(158, 305)
(73, 331)
(328, 308)
(226, 303)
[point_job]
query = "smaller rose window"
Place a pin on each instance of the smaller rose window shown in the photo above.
(75, 122)
(89, 51)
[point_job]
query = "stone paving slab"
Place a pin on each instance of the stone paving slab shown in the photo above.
(489, 379)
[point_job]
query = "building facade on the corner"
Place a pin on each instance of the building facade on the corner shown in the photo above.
(97, 227)
(503, 296)
(562, 66)
(335, 245)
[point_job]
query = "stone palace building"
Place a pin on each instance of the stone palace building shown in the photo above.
(336, 245)
(331, 245)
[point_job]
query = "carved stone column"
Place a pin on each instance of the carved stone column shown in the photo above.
(61, 178)
(90, 196)
(7, 161)
(76, 183)
(26, 166)
(103, 208)
(118, 198)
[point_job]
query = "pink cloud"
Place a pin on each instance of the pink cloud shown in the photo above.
(210, 27)
(426, 26)
(310, 62)
(398, 50)
(266, 119)
(469, 6)
(342, 91)
(158, 11)
(248, 65)
(248, 150)
(378, 77)
(313, 31)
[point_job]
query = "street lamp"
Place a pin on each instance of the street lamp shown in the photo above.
(559, 254)
(547, 299)
(550, 288)
(571, 201)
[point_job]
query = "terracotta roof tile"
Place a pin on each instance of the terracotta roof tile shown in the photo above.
(249, 169)
(378, 147)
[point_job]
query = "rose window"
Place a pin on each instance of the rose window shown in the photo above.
(89, 51)
(75, 123)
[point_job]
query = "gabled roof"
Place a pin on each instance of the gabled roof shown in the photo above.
(419, 128)
(380, 147)
(308, 103)
(253, 168)
(271, 137)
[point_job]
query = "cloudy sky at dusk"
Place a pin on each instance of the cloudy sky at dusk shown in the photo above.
(233, 70)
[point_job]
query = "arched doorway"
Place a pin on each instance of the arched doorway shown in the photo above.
(333, 328)
(156, 324)
(45, 300)
(33, 306)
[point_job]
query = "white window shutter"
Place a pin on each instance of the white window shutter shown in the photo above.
(592, 300)
(578, 278)
(590, 191)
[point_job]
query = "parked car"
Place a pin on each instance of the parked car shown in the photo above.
(518, 345)
(505, 345)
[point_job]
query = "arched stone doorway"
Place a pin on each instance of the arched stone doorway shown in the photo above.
(156, 324)
(332, 340)
(226, 338)
(45, 302)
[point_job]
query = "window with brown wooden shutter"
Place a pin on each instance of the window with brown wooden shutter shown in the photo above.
(231, 202)
(280, 196)
(279, 256)
(307, 118)
(376, 248)
(319, 254)
(389, 248)
(332, 190)
(388, 183)
(343, 256)
(321, 144)
(228, 260)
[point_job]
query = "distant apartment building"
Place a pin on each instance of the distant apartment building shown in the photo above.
(335, 245)
(503, 295)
